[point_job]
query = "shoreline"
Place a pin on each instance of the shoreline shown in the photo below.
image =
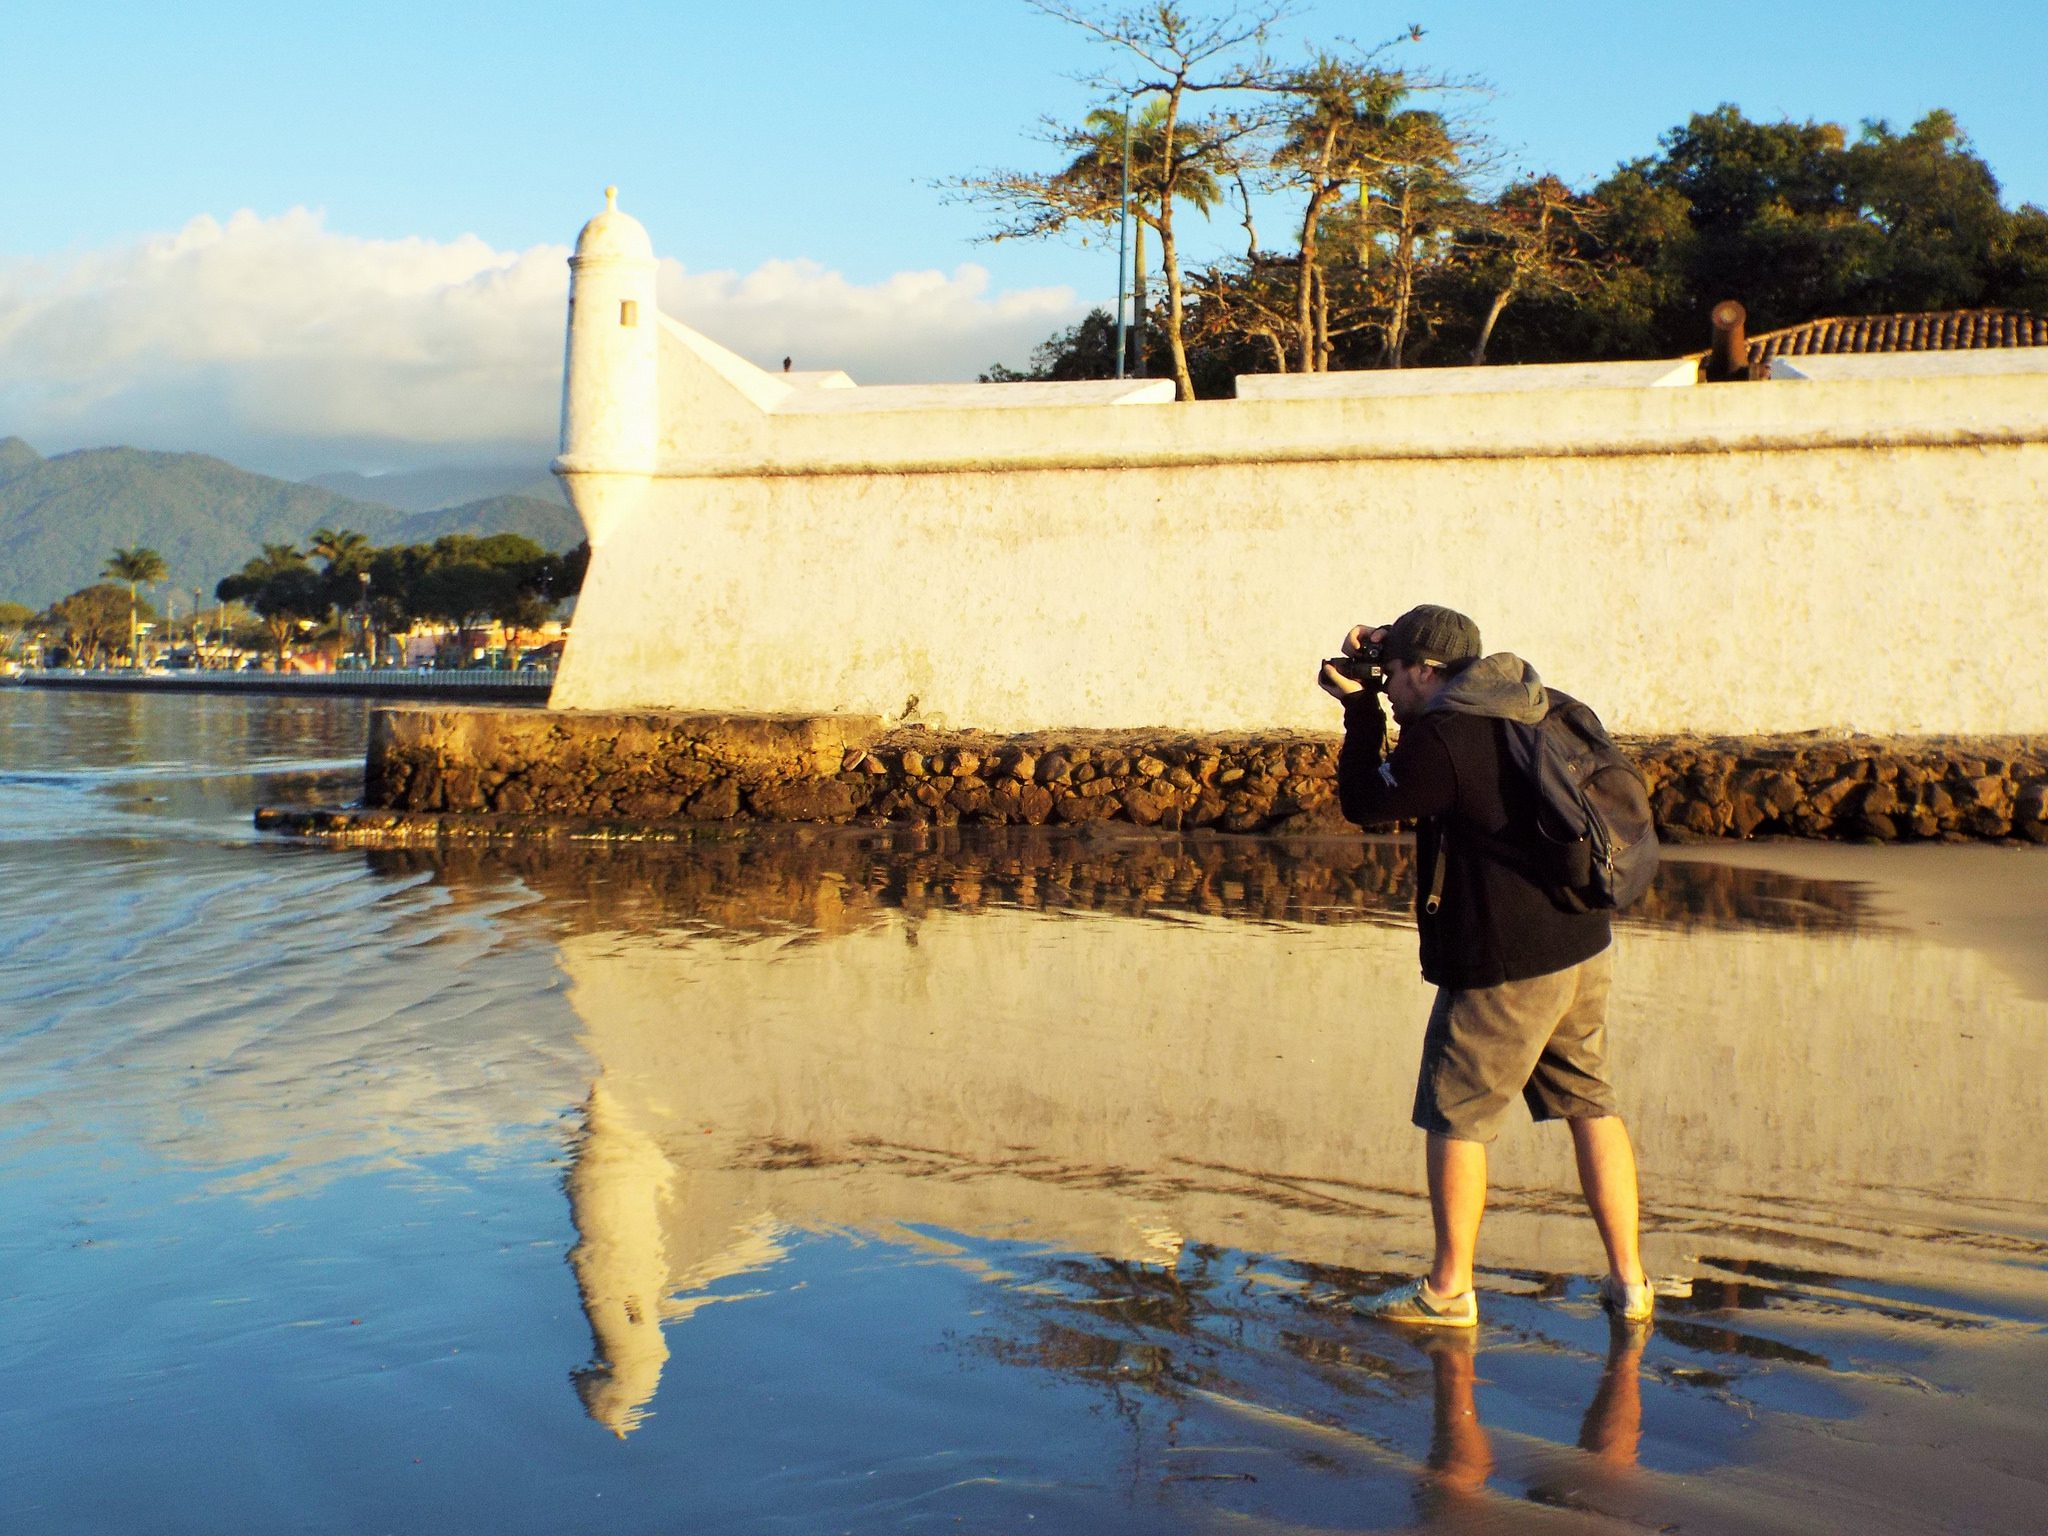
(501, 688)
(469, 771)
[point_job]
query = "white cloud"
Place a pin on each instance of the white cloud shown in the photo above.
(282, 344)
(912, 328)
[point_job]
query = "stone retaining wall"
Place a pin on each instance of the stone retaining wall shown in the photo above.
(660, 768)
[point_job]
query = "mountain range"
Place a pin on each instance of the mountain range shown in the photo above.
(447, 485)
(62, 517)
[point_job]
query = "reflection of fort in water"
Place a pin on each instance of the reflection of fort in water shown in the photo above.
(881, 1032)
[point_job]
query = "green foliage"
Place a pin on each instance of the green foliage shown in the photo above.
(94, 621)
(464, 580)
(562, 577)
(138, 566)
(343, 551)
(15, 615)
(1398, 261)
(2020, 261)
(1084, 350)
(283, 588)
(1799, 221)
(1401, 250)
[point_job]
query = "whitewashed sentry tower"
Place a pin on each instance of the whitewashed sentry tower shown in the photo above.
(611, 404)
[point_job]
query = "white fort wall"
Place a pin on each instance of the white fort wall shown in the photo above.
(1743, 558)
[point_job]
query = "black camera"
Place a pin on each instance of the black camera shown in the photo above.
(1367, 667)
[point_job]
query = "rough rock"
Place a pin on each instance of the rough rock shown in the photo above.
(654, 767)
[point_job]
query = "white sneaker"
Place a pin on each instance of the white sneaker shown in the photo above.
(1418, 1306)
(1629, 1303)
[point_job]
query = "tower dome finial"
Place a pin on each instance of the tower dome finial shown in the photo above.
(613, 234)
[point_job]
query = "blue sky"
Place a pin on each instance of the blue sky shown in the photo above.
(774, 151)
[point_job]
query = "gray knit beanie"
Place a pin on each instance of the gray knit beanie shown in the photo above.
(1432, 635)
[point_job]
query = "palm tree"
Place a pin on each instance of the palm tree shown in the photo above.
(1174, 160)
(342, 548)
(346, 555)
(135, 566)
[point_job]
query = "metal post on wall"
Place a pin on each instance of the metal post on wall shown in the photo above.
(1123, 241)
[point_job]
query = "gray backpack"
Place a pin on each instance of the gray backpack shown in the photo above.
(1596, 848)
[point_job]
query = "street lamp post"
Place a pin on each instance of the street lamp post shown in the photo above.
(1123, 237)
(369, 641)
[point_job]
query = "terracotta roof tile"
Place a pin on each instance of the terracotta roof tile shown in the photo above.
(1949, 330)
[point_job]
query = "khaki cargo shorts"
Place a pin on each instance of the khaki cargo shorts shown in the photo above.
(1545, 1037)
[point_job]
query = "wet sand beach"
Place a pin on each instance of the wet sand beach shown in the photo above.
(886, 1181)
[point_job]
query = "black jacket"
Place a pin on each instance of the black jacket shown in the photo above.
(1451, 774)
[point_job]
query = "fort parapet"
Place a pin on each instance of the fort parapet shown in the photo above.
(1857, 549)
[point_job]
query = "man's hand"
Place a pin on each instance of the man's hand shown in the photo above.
(1356, 638)
(1336, 684)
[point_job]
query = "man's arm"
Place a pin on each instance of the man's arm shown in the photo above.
(1417, 780)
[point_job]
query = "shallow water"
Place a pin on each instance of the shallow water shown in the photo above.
(894, 1181)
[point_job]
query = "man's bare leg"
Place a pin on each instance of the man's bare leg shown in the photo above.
(1607, 1173)
(1457, 1199)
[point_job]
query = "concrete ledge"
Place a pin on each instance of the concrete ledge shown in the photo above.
(498, 773)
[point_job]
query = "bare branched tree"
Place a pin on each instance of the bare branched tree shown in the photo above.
(1536, 237)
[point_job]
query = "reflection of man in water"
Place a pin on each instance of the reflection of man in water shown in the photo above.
(1522, 985)
(1461, 1453)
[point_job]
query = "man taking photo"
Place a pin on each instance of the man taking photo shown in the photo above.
(1522, 983)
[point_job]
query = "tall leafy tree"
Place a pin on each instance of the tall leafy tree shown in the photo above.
(1084, 350)
(344, 555)
(1535, 237)
(1341, 127)
(138, 565)
(1933, 206)
(91, 620)
(283, 588)
(340, 549)
(468, 582)
(1800, 221)
(2019, 261)
(14, 621)
(1409, 220)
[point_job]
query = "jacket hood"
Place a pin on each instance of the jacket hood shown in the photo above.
(1501, 686)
